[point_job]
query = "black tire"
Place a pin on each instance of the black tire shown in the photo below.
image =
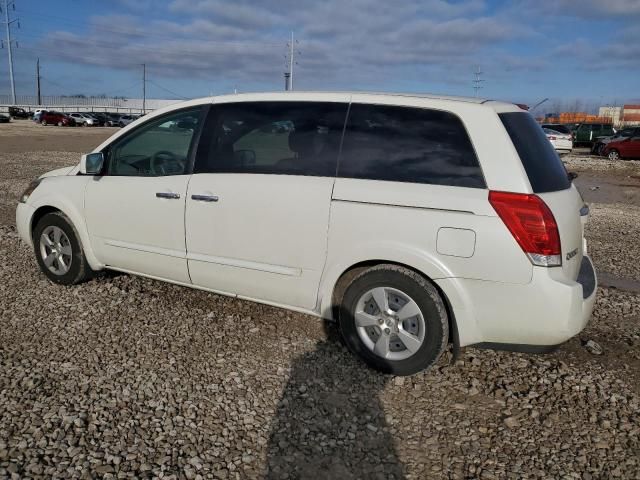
(60, 124)
(614, 153)
(79, 270)
(44, 122)
(418, 288)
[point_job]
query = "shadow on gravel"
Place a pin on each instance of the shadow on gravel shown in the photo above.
(330, 423)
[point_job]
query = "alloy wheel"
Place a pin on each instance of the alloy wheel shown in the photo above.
(390, 323)
(55, 249)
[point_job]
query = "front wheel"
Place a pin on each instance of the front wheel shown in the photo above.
(44, 122)
(394, 319)
(60, 124)
(613, 155)
(58, 250)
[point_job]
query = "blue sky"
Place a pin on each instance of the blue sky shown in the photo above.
(585, 51)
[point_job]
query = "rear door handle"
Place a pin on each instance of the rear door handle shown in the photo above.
(167, 195)
(205, 198)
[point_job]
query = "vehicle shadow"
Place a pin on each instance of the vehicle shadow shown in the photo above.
(330, 423)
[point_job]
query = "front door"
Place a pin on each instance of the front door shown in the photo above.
(257, 209)
(135, 212)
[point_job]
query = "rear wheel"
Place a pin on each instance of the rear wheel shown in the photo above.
(613, 155)
(58, 250)
(394, 319)
(44, 122)
(60, 124)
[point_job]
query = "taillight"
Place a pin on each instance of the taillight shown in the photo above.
(532, 225)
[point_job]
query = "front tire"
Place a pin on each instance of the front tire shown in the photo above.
(613, 155)
(58, 250)
(394, 319)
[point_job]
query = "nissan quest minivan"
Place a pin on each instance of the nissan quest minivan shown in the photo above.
(414, 221)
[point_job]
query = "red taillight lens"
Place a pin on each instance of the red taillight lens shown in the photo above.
(532, 225)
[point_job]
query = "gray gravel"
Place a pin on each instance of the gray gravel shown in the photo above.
(125, 377)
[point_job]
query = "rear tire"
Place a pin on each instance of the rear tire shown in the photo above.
(392, 341)
(44, 122)
(58, 250)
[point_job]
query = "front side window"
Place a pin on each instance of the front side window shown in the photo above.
(157, 148)
(405, 144)
(281, 138)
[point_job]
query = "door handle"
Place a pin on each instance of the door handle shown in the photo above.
(205, 198)
(167, 195)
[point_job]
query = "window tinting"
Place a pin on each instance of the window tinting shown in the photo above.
(541, 162)
(157, 148)
(403, 144)
(286, 138)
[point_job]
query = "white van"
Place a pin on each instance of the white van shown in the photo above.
(414, 221)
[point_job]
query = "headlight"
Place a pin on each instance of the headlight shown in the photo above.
(29, 190)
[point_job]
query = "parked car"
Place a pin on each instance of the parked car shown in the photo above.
(601, 142)
(4, 118)
(113, 120)
(588, 133)
(100, 117)
(558, 127)
(626, 147)
(561, 142)
(83, 119)
(446, 220)
(126, 120)
(37, 115)
(57, 118)
(17, 112)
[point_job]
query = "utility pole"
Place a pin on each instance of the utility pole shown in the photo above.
(288, 76)
(38, 81)
(8, 23)
(477, 81)
(291, 64)
(144, 88)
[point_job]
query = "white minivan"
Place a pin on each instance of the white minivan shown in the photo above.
(414, 221)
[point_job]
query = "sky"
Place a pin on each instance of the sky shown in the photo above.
(585, 51)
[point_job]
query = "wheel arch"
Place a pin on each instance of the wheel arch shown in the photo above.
(349, 273)
(50, 205)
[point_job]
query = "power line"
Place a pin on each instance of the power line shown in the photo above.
(168, 91)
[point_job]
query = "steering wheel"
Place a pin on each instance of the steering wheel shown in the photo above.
(160, 160)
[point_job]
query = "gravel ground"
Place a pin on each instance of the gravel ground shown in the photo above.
(125, 377)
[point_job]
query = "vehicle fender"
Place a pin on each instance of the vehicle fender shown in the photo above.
(379, 252)
(416, 259)
(72, 205)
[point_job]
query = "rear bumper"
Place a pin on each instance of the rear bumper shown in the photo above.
(537, 316)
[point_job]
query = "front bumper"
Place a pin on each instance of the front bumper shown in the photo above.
(24, 213)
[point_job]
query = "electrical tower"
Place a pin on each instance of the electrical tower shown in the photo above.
(8, 23)
(477, 81)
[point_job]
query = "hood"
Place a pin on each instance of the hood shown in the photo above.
(60, 172)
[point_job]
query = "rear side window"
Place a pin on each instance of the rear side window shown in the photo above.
(541, 162)
(403, 144)
(280, 138)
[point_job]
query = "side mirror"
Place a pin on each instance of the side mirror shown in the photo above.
(91, 163)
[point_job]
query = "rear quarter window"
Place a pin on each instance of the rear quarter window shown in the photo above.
(544, 168)
(406, 144)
